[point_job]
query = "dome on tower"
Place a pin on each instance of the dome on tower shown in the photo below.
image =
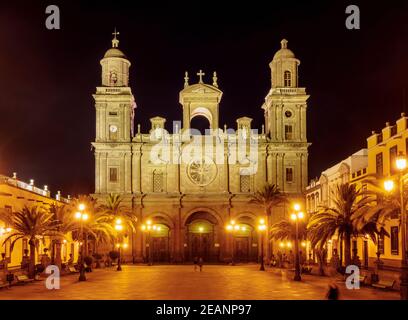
(114, 53)
(284, 52)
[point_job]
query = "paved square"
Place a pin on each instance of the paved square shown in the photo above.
(168, 282)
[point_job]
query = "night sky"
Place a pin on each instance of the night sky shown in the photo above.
(356, 78)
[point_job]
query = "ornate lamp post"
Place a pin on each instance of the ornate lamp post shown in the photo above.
(4, 232)
(298, 215)
(148, 227)
(120, 246)
(82, 216)
(401, 164)
(119, 228)
(262, 228)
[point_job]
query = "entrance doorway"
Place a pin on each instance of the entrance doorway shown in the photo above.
(200, 238)
(160, 240)
(242, 244)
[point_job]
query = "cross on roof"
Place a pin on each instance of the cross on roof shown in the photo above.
(115, 41)
(201, 74)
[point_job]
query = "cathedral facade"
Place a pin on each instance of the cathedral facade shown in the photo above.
(188, 186)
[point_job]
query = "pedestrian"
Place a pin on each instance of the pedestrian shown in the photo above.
(332, 292)
(195, 261)
(291, 258)
(200, 264)
(279, 260)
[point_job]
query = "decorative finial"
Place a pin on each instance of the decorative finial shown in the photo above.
(225, 128)
(186, 79)
(200, 74)
(115, 41)
(138, 128)
(215, 84)
(284, 43)
(263, 129)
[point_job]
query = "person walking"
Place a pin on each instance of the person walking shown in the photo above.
(200, 263)
(333, 292)
(195, 261)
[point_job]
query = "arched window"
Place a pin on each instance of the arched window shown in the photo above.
(158, 181)
(287, 79)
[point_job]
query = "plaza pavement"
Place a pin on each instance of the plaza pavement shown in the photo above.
(181, 282)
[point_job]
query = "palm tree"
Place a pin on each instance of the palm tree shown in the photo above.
(268, 197)
(286, 230)
(99, 226)
(341, 219)
(114, 209)
(30, 223)
(64, 225)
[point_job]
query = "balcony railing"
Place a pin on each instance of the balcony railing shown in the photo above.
(30, 187)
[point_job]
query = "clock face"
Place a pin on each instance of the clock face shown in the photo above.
(113, 128)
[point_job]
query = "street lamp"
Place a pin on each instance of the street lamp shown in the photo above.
(298, 215)
(119, 228)
(149, 227)
(262, 228)
(82, 216)
(233, 228)
(120, 246)
(401, 164)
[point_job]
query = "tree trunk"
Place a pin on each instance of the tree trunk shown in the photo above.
(31, 265)
(58, 259)
(347, 249)
(341, 251)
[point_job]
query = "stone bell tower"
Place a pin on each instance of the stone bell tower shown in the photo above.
(285, 122)
(114, 104)
(201, 99)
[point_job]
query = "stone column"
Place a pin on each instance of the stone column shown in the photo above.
(139, 237)
(128, 170)
(97, 172)
(104, 173)
(226, 170)
(280, 171)
(303, 123)
(269, 167)
(178, 237)
(137, 169)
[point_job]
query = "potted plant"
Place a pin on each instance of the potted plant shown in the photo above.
(98, 259)
(113, 255)
(88, 262)
(39, 268)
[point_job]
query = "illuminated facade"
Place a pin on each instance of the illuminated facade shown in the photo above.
(14, 195)
(194, 200)
(376, 163)
(321, 192)
(383, 148)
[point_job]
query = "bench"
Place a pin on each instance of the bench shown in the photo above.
(23, 279)
(384, 284)
(72, 270)
(307, 270)
(3, 285)
(362, 279)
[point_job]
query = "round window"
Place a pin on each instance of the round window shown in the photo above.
(288, 114)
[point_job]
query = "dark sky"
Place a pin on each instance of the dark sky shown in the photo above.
(356, 78)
